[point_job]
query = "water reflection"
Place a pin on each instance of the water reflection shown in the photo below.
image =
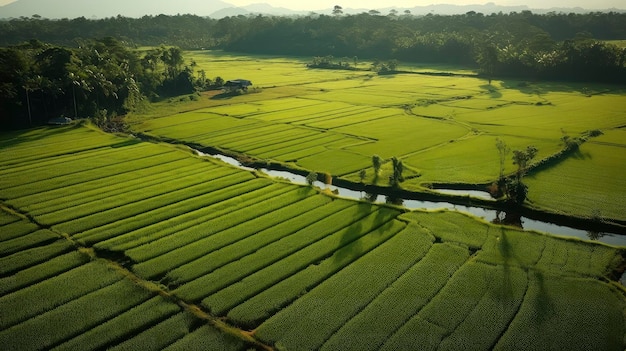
(508, 218)
(394, 200)
(594, 235)
(369, 197)
(494, 216)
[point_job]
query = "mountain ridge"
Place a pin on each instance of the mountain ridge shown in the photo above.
(57, 9)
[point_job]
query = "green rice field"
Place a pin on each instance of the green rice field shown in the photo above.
(443, 128)
(109, 242)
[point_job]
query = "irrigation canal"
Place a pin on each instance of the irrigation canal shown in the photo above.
(485, 213)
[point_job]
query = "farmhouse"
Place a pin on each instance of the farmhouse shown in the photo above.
(242, 84)
(60, 121)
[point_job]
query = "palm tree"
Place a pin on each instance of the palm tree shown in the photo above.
(29, 84)
(30, 118)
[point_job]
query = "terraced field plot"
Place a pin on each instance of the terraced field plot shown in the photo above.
(54, 295)
(443, 128)
(284, 71)
(607, 197)
(133, 245)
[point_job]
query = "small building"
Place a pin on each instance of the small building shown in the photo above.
(59, 121)
(235, 84)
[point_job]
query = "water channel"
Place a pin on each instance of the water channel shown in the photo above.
(487, 214)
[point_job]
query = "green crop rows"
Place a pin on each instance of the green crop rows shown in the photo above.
(114, 243)
(443, 128)
(54, 296)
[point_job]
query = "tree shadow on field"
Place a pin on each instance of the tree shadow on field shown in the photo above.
(580, 155)
(305, 191)
(388, 75)
(506, 252)
(224, 96)
(17, 137)
(349, 246)
(545, 87)
(544, 307)
(504, 246)
(494, 93)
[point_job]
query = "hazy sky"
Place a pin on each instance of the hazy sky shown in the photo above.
(372, 4)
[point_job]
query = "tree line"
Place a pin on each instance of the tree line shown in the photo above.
(513, 45)
(99, 78)
(547, 46)
(51, 67)
(193, 32)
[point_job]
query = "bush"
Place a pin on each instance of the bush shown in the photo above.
(328, 179)
(311, 178)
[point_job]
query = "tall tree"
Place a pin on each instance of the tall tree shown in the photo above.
(337, 10)
(503, 151)
(376, 163)
(516, 190)
(487, 59)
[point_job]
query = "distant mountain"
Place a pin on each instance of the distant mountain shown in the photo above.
(271, 10)
(109, 8)
(444, 9)
(230, 12)
(219, 9)
(486, 9)
(460, 9)
(254, 9)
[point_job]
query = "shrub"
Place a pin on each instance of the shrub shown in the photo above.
(328, 179)
(311, 178)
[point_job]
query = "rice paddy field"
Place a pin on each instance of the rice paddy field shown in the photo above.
(109, 242)
(618, 43)
(443, 127)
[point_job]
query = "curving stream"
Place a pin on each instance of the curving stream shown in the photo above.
(487, 214)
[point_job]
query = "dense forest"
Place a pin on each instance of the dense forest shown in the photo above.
(61, 77)
(100, 78)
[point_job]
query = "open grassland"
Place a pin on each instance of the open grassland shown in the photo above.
(132, 245)
(443, 128)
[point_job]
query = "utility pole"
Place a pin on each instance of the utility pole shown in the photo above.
(30, 120)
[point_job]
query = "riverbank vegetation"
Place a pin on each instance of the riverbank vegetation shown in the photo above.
(442, 127)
